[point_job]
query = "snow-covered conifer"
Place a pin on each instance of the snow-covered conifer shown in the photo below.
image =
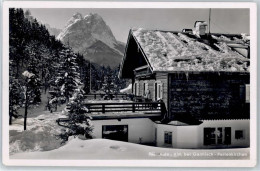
(68, 77)
(79, 122)
(31, 90)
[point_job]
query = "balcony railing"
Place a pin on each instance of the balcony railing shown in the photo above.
(126, 107)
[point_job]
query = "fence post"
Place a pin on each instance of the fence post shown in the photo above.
(103, 108)
(133, 107)
(95, 96)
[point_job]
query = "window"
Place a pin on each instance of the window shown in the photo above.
(227, 136)
(136, 89)
(217, 136)
(239, 134)
(158, 90)
(247, 93)
(146, 92)
(209, 136)
(167, 137)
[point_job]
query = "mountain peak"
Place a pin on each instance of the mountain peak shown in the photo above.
(92, 16)
(89, 33)
(77, 16)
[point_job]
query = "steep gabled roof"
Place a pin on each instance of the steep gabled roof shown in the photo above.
(176, 51)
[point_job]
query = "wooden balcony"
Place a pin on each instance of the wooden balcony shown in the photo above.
(125, 107)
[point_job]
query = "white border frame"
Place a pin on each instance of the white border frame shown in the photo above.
(131, 163)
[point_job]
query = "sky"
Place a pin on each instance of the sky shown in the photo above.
(121, 20)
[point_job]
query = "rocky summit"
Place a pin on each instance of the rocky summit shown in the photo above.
(93, 38)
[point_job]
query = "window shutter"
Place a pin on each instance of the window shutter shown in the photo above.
(247, 93)
(155, 91)
(134, 89)
(161, 93)
(146, 86)
(137, 89)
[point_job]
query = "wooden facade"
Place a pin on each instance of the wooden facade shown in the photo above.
(157, 87)
(209, 95)
(187, 94)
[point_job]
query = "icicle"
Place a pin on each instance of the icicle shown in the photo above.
(187, 76)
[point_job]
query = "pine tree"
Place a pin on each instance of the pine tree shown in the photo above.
(79, 122)
(33, 66)
(30, 90)
(68, 78)
(15, 98)
(84, 71)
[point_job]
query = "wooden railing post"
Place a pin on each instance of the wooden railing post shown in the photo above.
(133, 107)
(95, 96)
(103, 108)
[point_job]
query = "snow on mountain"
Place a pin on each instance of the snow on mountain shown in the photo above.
(92, 37)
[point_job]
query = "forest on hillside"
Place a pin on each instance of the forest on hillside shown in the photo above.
(40, 64)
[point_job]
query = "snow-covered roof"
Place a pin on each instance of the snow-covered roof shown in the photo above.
(176, 51)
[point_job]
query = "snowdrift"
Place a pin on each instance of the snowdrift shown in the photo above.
(109, 149)
(40, 134)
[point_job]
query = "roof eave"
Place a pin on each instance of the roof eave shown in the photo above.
(142, 51)
(160, 71)
(124, 57)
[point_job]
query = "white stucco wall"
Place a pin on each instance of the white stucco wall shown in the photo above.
(161, 128)
(182, 136)
(137, 128)
(193, 136)
(187, 137)
(234, 124)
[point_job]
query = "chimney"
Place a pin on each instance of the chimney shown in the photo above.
(200, 28)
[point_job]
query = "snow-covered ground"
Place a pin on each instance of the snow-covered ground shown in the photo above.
(109, 149)
(40, 134)
(39, 141)
(42, 129)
